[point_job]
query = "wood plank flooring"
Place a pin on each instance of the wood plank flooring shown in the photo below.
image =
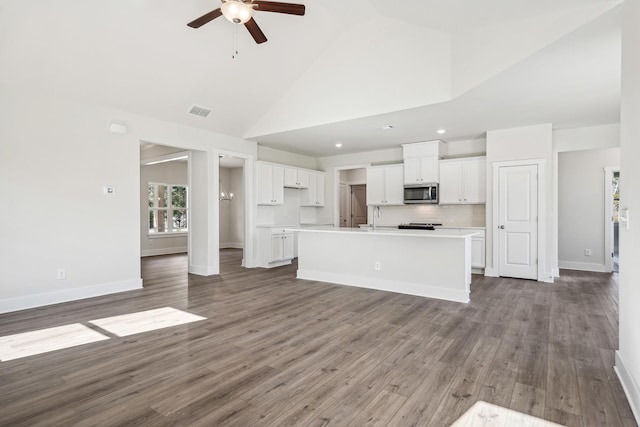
(277, 351)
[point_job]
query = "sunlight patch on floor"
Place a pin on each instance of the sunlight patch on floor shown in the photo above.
(144, 321)
(46, 340)
(483, 414)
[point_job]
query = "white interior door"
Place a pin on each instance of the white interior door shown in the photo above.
(358, 205)
(518, 221)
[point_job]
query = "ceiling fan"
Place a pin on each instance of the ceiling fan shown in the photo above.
(241, 12)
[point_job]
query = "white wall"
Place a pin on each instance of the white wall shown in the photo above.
(168, 173)
(628, 357)
(53, 166)
(523, 143)
(581, 207)
(267, 154)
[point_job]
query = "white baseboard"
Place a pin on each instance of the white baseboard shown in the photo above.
(555, 272)
(163, 251)
(583, 266)
(231, 245)
(203, 270)
(629, 386)
(386, 285)
(66, 295)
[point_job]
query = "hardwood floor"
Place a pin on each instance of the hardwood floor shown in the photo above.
(277, 351)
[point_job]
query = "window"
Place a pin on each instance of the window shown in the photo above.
(168, 210)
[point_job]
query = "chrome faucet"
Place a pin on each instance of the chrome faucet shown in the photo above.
(374, 213)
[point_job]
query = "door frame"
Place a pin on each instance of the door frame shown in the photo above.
(608, 216)
(248, 256)
(542, 219)
(336, 188)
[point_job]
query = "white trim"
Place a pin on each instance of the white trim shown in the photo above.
(542, 219)
(163, 251)
(231, 245)
(203, 270)
(336, 188)
(555, 272)
(631, 389)
(583, 266)
(169, 234)
(166, 158)
(608, 214)
(418, 289)
(66, 295)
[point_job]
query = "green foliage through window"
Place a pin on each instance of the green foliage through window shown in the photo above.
(168, 210)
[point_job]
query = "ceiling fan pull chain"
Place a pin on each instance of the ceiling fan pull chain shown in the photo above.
(235, 42)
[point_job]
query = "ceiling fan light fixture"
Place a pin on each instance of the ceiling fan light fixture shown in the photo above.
(236, 11)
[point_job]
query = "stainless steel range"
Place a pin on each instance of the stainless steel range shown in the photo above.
(419, 226)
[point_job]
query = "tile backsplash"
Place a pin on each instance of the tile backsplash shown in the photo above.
(448, 215)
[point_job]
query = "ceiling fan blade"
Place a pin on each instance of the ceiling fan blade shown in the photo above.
(255, 31)
(197, 23)
(272, 6)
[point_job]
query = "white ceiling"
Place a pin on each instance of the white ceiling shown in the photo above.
(141, 57)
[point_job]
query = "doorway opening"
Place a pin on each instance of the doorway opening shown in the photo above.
(164, 200)
(231, 199)
(611, 218)
(352, 196)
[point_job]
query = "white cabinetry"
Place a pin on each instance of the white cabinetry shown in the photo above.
(384, 185)
(270, 184)
(275, 246)
(421, 161)
(314, 195)
(477, 251)
(296, 178)
(463, 181)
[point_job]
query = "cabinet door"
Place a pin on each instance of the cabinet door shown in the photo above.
(429, 169)
(412, 170)
(303, 179)
(450, 183)
(291, 177)
(375, 186)
(287, 246)
(477, 252)
(393, 185)
(277, 248)
(278, 185)
(474, 181)
(265, 184)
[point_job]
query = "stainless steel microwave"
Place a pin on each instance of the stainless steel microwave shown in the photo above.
(421, 193)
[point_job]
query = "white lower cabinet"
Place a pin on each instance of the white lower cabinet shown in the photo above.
(477, 252)
(276, 246)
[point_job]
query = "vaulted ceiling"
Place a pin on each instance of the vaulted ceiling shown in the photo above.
(337, 74)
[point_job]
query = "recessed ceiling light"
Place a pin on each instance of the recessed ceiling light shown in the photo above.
(387, 127)
(441, 131)
(338, 145)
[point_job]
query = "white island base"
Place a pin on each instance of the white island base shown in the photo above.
(434, 264)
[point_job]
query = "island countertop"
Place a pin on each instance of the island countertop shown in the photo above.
(437, 233)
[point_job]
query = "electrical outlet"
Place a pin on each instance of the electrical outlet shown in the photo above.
(587, 252)
(376, 266)
(62, 274)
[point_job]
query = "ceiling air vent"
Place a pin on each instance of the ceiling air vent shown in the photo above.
(199, 111)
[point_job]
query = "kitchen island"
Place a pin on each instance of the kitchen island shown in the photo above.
(434, 264)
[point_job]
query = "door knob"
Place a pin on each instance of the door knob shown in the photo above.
(502, 227)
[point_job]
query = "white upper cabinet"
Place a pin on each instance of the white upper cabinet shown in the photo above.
(314, 194)
(270, 184)
(296, 178)
(421, 162)
(463, 181)
(384, 185)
